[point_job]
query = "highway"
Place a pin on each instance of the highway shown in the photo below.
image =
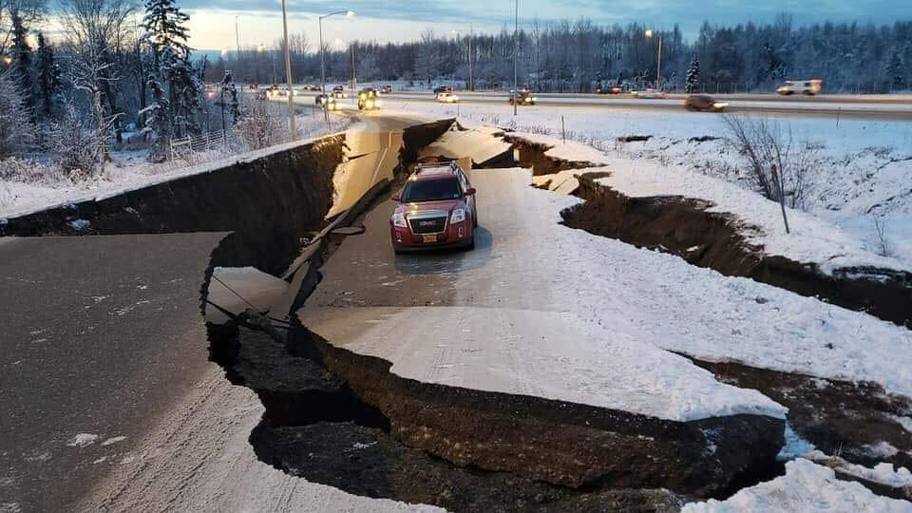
(882, 107)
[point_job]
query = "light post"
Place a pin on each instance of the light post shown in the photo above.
(323, 57)
(470, 86)
(649, 34)
(291, 116)
(515, 56)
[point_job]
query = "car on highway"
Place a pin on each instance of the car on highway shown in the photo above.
(522, 97)
(338, 92)
(649, 94)
(367, 99)
(447, 97)
(703, 103)
(435, 209)
(387, 89)
(325, 101)
(608, 89)
(805, 87)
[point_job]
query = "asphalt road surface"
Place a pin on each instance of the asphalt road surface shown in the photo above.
(101, 336)
(886, 107)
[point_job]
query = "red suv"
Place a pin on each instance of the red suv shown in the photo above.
(435, 209)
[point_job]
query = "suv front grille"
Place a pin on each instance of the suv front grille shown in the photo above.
(427, 224)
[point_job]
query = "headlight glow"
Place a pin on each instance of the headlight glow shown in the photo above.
(399, 220)
(458, 215)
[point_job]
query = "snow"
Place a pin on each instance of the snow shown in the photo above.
(82, 440)
(795, 446)
(806, 488)
(563, 358)
(883, 473)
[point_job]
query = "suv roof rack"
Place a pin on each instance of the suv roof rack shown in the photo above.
(451, 164)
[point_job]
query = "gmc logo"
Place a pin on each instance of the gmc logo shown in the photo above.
(427, 223)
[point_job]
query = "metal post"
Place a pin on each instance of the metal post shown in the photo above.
(780, 191)
(291, 114)
(659, 66)
(515, 57)
(323, 71)
(353, 84)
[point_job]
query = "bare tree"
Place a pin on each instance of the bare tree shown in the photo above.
(765, 146)
(93, 28)
(884, 248)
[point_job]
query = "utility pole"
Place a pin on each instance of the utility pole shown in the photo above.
(471, 59)
(353, 84)
(515, 56)
(237, 41)
(291, 114)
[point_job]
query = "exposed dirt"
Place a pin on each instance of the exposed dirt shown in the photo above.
(532, 155)
(683, 227)
(368, 462)
(553, 441)
(838, 417)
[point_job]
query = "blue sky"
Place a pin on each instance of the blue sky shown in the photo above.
(212, 21)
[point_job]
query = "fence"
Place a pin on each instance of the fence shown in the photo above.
(201, 148)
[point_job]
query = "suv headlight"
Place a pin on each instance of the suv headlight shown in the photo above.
(458, 215)
(399, 220)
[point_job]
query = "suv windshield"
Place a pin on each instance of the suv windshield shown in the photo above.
(431, 190)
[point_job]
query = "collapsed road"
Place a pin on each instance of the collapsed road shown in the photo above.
(481, 381)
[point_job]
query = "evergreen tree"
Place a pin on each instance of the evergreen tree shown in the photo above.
(22, 58)
(693, 75)
(47, 75)
(17, 131)
(166, 32)
(895, 72)
(158, 122)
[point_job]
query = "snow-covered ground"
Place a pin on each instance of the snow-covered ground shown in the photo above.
(30, 191)
(863, 169)
(807, 488)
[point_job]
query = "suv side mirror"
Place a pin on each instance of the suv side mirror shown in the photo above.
(470, 191)
(395, 198)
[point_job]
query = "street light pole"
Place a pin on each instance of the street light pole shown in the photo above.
(323, 58)
(471, 58)
(515, 56)
(291, 115)
(649, 33)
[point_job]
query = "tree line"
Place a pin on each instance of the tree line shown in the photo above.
(575, 56)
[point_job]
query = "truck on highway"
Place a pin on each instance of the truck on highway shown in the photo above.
(805, 87)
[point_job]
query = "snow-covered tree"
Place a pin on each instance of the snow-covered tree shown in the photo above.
(166, 32)
(693, 75)
(75, 144)
(17, 130)
(21, 54)
(158, 122)
(47, 74)
(895, 72)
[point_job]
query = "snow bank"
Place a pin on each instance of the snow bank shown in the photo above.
(806, 488)
(812, 239)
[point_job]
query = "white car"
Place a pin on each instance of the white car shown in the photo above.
(649, 94)
(807, 87)
(447, 97)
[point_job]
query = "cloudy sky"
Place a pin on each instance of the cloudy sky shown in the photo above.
(259, 21)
